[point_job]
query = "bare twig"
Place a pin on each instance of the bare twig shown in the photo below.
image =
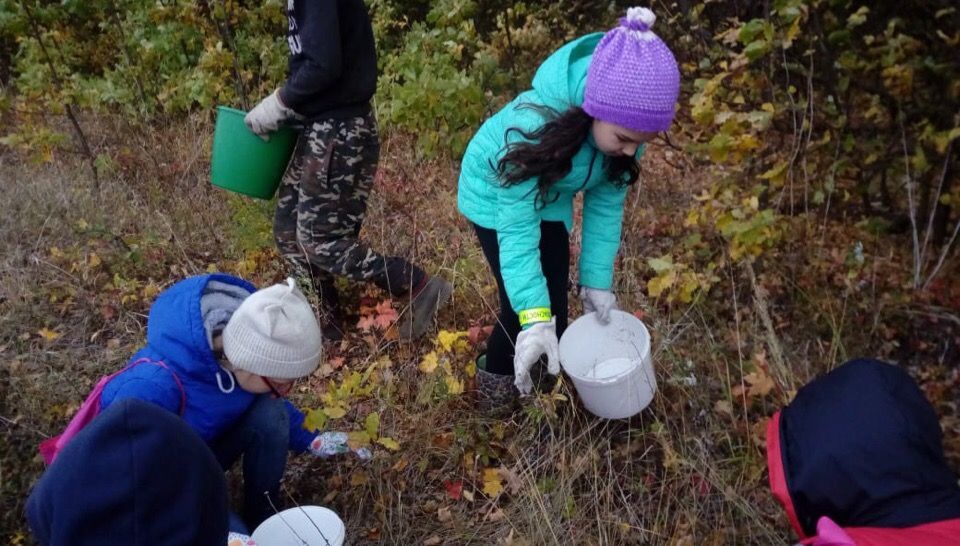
(933, 206)
(911, 204)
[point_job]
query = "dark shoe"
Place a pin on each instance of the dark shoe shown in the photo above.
(331, 318)
(495, 393)
(423, 307)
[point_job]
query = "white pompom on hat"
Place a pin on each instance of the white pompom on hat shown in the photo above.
(274, 333)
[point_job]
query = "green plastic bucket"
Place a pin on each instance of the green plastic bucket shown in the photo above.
(243, 162)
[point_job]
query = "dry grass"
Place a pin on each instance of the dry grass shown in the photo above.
(689, 470)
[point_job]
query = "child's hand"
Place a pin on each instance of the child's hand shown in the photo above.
(539, 339)
(328, 444)
(239, 539)
(599, 301)
(265, 117)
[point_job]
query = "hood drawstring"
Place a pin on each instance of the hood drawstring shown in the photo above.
(233, 382)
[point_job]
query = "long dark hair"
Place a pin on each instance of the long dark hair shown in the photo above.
(547, 153)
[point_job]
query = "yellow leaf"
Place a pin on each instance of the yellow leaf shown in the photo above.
(661, 283)
(150, 291)
(447, 341)
(335, 412)
(388, 443)
(315, 420)
(358, 439)
(492, 482)
(48, 335)
(82, 224)
(372, 424)
(429, 362)
(454, 385)
(93, 260)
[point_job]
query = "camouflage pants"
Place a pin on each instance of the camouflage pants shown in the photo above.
(321, 205)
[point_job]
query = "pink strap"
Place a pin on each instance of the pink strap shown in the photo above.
(51, 447)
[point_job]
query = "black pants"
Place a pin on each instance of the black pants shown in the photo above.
(555, 261)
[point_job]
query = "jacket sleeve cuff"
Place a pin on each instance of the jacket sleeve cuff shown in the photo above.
(599, 280)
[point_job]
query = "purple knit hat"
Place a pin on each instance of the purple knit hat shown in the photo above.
(633, 80)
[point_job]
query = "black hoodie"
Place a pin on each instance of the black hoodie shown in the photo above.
(136, 475)
(333, 59)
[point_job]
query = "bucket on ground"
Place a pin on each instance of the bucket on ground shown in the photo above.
(243, 162)
(610, 365)
(301, 526)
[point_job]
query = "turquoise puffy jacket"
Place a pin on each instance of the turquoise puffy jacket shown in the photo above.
(513, 211)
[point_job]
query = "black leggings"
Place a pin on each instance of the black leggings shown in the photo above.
(555, 261)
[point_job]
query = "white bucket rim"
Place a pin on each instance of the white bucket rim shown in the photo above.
(310, 512)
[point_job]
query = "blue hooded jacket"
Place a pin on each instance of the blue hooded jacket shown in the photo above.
(176, 336)
(112, 485)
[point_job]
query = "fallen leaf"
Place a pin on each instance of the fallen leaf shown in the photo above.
(429, 362)
(723, 407)
(760, 383)
(358, 479)
(372, 425)
(495, 515)
(373, 534)
(454, 489)
(443, 514)
(476, 334)
(454, 385)
(358, 439)
(48, 335)
(432, 541)
(468, 494)
(388, 443)
(514, 483)
(335, 412)
(451, 341)
(336, 362)
(108, 312)
(492, 482)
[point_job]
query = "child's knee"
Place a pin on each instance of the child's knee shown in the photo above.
(269, 417)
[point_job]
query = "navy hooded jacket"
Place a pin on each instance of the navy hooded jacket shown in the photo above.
(862, 447)
(135, 476)
(176, 336)
(333, 59)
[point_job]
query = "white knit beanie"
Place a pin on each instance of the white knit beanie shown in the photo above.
(274, 333)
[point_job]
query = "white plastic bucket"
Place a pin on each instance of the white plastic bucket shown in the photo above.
(609, 364)
(300, 526)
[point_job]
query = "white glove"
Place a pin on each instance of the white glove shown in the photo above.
(265, 117)
(597, 301)
(328, 444)
(541, 338)
(239, 539)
